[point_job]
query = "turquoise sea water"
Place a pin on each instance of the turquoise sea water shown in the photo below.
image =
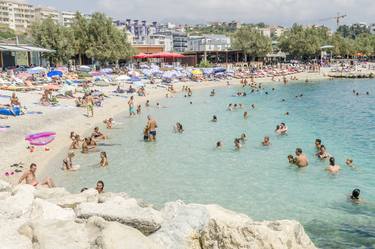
(256, 180)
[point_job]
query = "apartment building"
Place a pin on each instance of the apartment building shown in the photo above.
(16, 15)
(42, 13)
(67, 18)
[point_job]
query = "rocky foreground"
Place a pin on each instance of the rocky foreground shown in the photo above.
(56, 219)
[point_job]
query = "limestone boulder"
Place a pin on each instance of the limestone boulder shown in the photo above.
(19, 204)
(73, 200)
(125, 211)
(5, 186)
(45, 210)
(10, 237)
(59, 234)
(181, 226)
(50, 193)
(114, 235)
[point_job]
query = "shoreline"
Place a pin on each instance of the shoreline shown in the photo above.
(69, 118)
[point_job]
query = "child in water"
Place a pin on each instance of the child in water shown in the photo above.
(103, 159)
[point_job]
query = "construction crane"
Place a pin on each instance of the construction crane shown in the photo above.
(337, 18)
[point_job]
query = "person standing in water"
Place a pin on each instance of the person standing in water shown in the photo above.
(90, 105)
(300, 159)
(151, 125)
(103, 159)
(131, 106)
(333, 168)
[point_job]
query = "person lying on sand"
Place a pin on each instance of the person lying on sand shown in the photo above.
(30, 178)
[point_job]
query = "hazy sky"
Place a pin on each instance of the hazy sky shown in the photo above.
(283, 12)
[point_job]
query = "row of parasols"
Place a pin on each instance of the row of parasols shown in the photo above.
(162, 55)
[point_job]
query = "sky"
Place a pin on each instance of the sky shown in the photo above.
(282, 12)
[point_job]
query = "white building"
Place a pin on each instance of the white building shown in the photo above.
(266, 32)
(67, 18)
(159, 39)
(16, 15)
(42, 13)
(209, 43)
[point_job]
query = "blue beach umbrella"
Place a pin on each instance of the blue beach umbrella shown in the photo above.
(55, 74)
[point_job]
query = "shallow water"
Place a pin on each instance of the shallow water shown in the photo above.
(257, 181)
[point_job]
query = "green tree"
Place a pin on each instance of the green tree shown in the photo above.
(364, 44)
(50, 35)
(6, 32)
(105, 42)
(81, 36)
(303, 43)
(252, 42)
(343, 47)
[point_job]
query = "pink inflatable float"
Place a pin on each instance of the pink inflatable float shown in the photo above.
(40, 139)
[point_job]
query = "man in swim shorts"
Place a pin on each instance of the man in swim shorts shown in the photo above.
(30, 178)
(90, 105)
(152, 125)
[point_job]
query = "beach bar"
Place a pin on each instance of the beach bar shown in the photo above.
(21, 55)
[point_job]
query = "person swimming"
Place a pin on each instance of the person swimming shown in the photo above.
(230, 108)
(318, 143)
(323, 154)
(291, 159)
(100, 187)
(300, 160)
(219, 145)
(237, 143)
(354, 197)
(281, 129)
(214, 118)
(212, 93)
(245, 115)
(333, 167)
(178, 128)
(266, 141)
(349, 162)
(109, 123)
(243, 138)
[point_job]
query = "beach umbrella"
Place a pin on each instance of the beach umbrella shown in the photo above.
(36, 70)
(196, 72)
(84, 68)
(107, 70)
(135, 79)
(55, 74)
(123, 78)
(141, 56)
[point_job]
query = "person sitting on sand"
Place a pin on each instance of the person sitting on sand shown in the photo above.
(109, 123)
(97, 134)
(300, 159)
(30, 178)
(323, 154)
(68, 162)
(178, 128)
(103, 159)
(266, 141)
(237, 144)
(14, 101)
(333, 168)
(100, 187)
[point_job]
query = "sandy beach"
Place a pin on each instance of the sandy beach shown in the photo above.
(66, 118)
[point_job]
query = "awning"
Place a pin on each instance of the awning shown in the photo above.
(37, 49)
(20, 48)
(12, 48)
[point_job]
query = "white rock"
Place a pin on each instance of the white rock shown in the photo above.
(50, 193)
(118, 236)
(72, 200)
(181, 226)
(5, 186)
(213, 227)
(48, 211)
(10, 237)
(59, 234)
(125, 211)
(19, 204)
